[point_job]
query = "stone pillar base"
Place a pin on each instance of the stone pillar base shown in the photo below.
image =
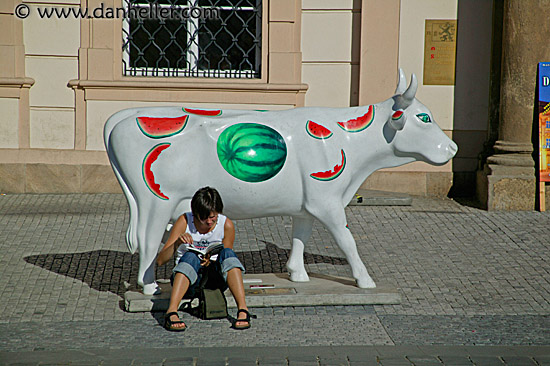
(506, 187)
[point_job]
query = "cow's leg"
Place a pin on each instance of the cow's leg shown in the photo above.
(301, 231)
(151, 227)
(334, 219)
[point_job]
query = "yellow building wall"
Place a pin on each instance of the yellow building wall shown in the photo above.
(51, 59)
(439, 98)
(330, 49)
(312, 45)
(9, 126)
(421, 178)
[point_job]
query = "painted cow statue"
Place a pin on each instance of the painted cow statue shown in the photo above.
(305, 162)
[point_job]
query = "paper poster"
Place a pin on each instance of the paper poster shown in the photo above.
(544, 121)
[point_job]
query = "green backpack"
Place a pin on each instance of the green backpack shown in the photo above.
(212, 304)
(212, 301)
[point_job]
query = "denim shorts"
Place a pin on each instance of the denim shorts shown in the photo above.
(190, 266)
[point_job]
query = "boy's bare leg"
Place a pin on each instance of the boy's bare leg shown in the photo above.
(235, 283)
(179, 288)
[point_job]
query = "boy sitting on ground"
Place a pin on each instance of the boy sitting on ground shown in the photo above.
(205, 224)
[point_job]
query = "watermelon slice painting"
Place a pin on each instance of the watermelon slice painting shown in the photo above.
(204, 112)
(159, 127)
(148, 176)
(360, 123)
(317, 131)
(331, 174)
(397, 115)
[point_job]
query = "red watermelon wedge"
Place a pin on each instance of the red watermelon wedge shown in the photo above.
(317, 131)
(360, 123)
(331, 174)
(204, 112)
(397, 115)
(159, 127)
(148, 176)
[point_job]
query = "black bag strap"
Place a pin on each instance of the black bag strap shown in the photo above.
(204, 278)
(200, 287)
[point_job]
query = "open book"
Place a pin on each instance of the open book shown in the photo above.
(212, 248)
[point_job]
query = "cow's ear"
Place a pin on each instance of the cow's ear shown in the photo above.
(398, 119)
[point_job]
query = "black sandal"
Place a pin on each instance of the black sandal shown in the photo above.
(169, 324)
(247, 319)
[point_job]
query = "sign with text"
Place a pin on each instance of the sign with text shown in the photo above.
(440, 52)
(544, 121)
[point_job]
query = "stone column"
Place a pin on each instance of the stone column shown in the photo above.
(508, 180)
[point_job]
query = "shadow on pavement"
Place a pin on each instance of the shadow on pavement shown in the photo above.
(116, 272)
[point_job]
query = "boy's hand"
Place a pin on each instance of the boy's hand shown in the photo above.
(205, 260)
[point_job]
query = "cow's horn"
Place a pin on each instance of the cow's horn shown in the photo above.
(409, 94)
(402, 84)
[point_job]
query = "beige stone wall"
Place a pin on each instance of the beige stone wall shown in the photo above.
(439, 98)
(395, 33)
(421, 178)
(51, 59)
(9, 123)
(63, 78)
(350, 46)
(331, 32)
(14, 85)
(473, 83)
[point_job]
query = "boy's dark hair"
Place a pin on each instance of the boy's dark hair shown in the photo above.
(205, 201)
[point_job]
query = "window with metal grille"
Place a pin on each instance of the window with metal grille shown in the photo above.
(226, 45)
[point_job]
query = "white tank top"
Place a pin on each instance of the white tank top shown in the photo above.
(202, 241)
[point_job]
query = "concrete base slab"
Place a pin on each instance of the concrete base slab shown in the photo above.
(369, 197)
(276, 289)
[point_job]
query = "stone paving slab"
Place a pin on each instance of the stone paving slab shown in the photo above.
(445, 258)
(469, 330)
(319, 290)
(274, 326)
(332, 355)
(65, 269)
(369, 197)
(321, 326)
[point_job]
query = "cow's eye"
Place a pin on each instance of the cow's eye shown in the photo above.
(424, 118)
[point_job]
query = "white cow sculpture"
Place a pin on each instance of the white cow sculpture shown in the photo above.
(305, 162)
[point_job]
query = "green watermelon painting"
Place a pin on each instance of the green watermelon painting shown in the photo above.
(159, 127)
(251, 152)
(147, 173)
(360, 123)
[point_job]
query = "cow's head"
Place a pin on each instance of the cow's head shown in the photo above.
(411, 128)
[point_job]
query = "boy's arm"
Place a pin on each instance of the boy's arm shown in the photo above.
(177, 236)
(228, 234)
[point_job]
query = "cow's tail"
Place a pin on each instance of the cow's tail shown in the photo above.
(131, 233)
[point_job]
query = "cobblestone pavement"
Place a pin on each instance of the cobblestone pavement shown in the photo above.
(473, 284)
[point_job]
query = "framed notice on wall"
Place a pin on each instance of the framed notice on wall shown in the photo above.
(544, 121)
(439, 52)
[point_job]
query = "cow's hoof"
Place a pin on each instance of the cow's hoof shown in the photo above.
(299, 277)
(365, 283)
(151, 289)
